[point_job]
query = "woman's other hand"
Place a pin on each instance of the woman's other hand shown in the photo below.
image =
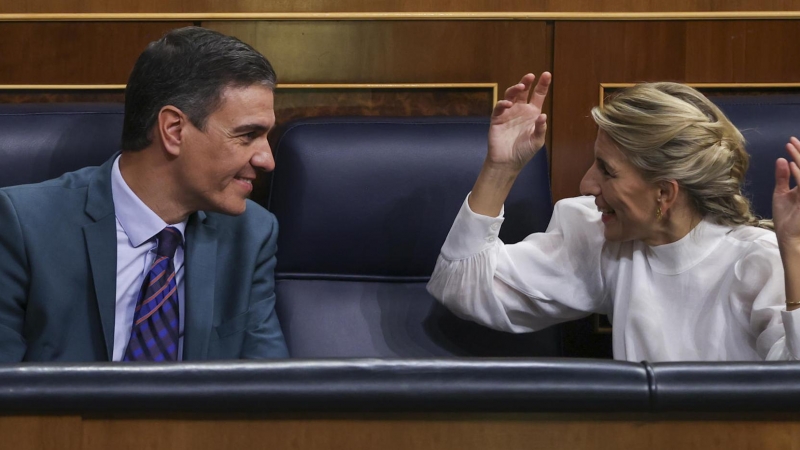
(786, 215)
(786, 201)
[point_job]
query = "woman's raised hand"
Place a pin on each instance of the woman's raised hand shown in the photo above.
(516, 133)
(786, 201)
(518, 126)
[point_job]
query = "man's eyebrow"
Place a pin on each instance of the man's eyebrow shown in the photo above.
(250, 127)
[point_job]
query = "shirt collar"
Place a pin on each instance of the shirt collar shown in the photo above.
(138, 221)
(685, 253)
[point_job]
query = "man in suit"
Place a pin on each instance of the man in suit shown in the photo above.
(157, 254)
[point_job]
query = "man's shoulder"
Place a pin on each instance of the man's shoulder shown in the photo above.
(55, 194)
(70, 181)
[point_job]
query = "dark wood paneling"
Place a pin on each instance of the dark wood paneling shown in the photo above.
(74, 53)
(450, 432)
(41, 433)
(397, 51)
(743, 51)
(177, 6)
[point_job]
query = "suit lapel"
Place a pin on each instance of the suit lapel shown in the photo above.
(199, 275)
(101, 246)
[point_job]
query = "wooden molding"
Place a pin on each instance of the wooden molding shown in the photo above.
(555, 16)
(731, 86)
(91, 87)
(121, 87)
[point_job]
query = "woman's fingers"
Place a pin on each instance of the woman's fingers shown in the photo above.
(540, 91)
(541, 127)
(781, 176)
(793, 147)
(501, 106)
(795, 172)
(519, 92)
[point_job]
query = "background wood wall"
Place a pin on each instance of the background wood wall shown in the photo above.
(582, 54)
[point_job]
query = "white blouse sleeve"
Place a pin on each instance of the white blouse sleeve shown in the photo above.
(759, 282)
(547, 278)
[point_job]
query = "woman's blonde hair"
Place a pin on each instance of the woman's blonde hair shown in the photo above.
(670, 131)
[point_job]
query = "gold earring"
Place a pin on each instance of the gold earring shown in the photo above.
(658, 213)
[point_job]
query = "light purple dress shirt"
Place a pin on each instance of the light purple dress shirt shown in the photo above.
(137, 226)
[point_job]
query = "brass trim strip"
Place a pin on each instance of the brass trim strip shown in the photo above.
(565, 16)
(98, 87)
(597, 327)
(61, 87)
(717, 85)
(604, 86)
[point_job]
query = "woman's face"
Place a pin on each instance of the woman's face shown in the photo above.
(627, 201)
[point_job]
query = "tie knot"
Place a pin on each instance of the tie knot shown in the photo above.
(168, 241)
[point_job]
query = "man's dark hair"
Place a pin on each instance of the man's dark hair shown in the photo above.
(187, 68)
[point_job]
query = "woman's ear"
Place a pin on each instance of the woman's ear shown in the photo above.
(171, 122)
(667, 194)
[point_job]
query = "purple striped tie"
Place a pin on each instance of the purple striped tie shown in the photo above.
(154, 336)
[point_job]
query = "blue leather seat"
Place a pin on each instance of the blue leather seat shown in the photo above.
(364, 205)
(766, 122)
(43, 141)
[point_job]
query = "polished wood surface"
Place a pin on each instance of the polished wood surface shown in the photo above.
(74, 53)
(397, 51)
(154, 6)
(420, 431)
(41, 432)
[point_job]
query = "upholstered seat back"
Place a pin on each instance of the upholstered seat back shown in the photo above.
(766, 122)
(364, 205)
(43, 141)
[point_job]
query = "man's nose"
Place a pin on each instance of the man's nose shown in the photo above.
(263, 160)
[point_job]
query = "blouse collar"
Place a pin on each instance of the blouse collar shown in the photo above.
(685, 253)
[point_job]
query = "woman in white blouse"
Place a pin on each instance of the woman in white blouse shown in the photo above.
(663, 241)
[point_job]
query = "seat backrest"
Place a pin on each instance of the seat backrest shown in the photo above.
(766, 122)
(364, 205)
(43, 141)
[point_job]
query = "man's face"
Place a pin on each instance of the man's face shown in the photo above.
(217, 166)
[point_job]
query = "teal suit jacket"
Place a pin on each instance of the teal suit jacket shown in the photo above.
(58, 259)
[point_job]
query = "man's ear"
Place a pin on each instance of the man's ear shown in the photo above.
(171, 122)
(667, 194)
